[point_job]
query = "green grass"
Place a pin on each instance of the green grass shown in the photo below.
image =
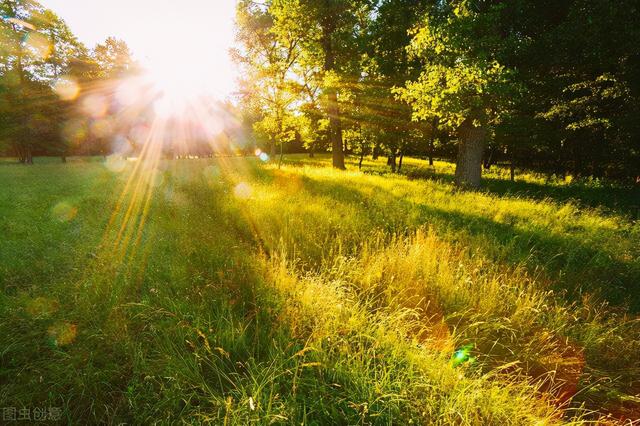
(230, 292)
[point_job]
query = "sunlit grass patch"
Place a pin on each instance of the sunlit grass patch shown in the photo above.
(252, 293)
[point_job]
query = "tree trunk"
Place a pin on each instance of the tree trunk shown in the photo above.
(470, 150)
(272, 149)
(432, 139)
(333, 109)
(361, 158)
(400, 162)
(281, 155)
(63, 158)
(391, 161)
(335, 130)
(488, 161)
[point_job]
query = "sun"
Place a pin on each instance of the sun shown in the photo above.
(186, 76)
(187, 57)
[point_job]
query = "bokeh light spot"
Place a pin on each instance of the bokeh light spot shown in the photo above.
(62, 333)
(66, 88)
(64, 212)
(242, 190)
(75, 131)
(128, 92)
(41, 307)
(102, 128)
(39, 44)
(95, 105)
(115, 163)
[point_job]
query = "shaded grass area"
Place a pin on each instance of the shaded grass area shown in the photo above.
(233, 292)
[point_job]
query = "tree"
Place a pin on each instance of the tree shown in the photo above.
(464, 83)
(270, 48)
(331, 41)
(37, 52)
(113, 58)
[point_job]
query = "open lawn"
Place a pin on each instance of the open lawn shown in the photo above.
(230, 291)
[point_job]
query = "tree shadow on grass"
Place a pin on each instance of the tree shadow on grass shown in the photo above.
(617, 199)
(569, 262)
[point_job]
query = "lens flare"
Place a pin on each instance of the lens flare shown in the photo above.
(62, 333)
(95, 105)
(66, 88)
(42, 307)
(64, 212)
(242, 191)
(39, 44)
(115, 163)
(462, 356)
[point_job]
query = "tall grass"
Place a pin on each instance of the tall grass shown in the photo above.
(248, 293)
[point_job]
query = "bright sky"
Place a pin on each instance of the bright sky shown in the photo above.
(182, 42)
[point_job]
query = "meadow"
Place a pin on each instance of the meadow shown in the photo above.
(231, 291)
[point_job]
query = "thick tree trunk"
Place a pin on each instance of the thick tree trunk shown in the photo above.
(376, 151)
(470, 151)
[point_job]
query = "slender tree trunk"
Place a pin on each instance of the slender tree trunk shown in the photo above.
(312, 150)
(432, 139)
(488, 161)
(335, 130)
(376, 151)
(63, 158)
(512, 165)
(333, 109)
(400, 162)
(23, 138)
(361, 159)
(470, 150)
(391, 161)
(281, 155)
(577, 155)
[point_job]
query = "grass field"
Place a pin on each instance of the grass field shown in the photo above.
(228, 291)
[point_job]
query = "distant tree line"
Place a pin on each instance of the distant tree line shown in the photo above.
(547, 85)
(47, 79)
(544, 85)
(59, 98)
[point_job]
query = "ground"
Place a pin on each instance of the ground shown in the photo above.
(230, 291)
